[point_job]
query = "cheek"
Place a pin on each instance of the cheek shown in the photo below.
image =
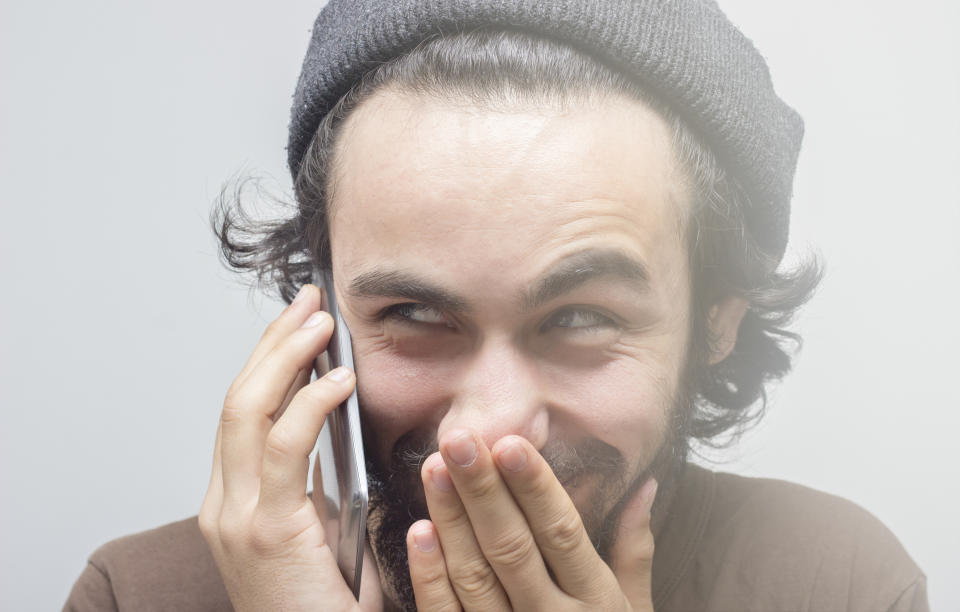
(624, 403)
(398, 395)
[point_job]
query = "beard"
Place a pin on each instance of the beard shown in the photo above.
(396, 498)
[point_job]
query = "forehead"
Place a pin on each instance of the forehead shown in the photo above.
(417, 177)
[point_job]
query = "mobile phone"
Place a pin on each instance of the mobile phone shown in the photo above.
(347, 445)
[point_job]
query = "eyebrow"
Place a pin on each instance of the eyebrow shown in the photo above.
(581, 267)
(397, 284)
(566, 275)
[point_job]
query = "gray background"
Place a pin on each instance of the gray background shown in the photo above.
(120, 121)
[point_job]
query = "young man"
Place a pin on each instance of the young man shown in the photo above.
(555, 229)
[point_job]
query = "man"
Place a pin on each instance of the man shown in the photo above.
(555, 230)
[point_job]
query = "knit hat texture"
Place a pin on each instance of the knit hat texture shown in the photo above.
(684, 52)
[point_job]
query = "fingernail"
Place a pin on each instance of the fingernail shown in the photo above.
(463, 450)
(425, 539)
(441, 478)
(300, 295)
(513, 458)
(339, 374)
(313, 320)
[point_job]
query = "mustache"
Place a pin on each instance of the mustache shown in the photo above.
(570, 462)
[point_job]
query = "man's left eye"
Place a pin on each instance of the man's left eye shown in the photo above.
(578, 318)
(416, 314)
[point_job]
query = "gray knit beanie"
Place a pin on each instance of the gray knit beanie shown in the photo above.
(684, 52)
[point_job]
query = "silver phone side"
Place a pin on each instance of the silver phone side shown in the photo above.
(347, 443)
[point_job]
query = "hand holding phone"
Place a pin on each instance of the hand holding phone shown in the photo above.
(267, 537)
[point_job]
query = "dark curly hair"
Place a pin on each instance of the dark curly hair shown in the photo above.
(503, 69)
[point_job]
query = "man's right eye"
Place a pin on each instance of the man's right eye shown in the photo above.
(412, 312)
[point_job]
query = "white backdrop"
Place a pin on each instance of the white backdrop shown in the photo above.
(120, 121)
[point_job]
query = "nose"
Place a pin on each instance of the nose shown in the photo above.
(499, 393)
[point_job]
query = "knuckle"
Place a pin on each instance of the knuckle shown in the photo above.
(447, 605)
(207, 524)
(645, 548)
(232, 391)
(432, 578)
(475, 579)
(456, 515)
(539, 487)
(601, 598)
(320, 394)
(262, 536)
(315, 392)
(208, 519)
(280, 443)
(232, 413)
(261, 541)
(510, 550)
(270, 536)
(564, 532)
(231, 534)
(484, 486)
(271, 330)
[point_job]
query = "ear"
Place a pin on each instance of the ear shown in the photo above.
(724, 322)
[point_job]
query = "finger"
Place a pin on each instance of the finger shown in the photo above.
(248, 411)
(307, 301)
(302, 380)
(556, 524)
(502, 530)
(500, 527)
(272, 381)
(286, 452)
(632, 553)
(428, 572)
(473, 579)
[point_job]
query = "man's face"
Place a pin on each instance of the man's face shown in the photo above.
(512, 272)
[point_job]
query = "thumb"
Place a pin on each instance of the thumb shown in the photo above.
(632, 555)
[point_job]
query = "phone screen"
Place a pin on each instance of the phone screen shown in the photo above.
(347, 443)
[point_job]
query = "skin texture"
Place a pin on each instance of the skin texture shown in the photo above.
(483, 207)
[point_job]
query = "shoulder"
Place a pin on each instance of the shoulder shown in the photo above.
(753, 511)
(166, 568)
(793, 547)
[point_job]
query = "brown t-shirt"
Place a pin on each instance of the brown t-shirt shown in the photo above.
(727, 543)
